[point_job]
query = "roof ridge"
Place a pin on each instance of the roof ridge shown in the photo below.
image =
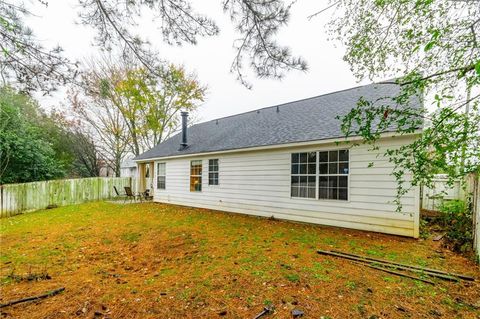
(247, 129)
(295, 101)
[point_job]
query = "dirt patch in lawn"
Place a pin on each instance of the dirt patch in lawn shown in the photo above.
(162, 261)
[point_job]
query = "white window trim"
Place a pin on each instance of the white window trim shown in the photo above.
(157, 175)
(317, 177)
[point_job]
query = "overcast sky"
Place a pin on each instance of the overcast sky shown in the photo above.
(211, 58)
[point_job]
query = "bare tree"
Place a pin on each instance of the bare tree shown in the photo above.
(86, 155)
(148, 104)
(105, 124)
(128, 109)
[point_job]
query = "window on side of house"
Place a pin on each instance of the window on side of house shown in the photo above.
(303, 174)
(333, 174)
(161, 175)
(213, 172)
(196, 176)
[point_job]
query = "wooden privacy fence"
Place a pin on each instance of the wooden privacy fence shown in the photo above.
(473, 183)
(19, 198)
(476, 223)
(433, 198)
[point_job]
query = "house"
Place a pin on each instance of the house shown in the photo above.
(285, 161)
(105, 170)
(128, 168)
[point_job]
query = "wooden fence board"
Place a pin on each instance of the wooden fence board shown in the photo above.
(18, 198)
(433, 198)
(474, 186)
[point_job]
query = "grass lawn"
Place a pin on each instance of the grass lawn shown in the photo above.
(162, 261)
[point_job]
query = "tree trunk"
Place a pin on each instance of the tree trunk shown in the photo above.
(136, 147)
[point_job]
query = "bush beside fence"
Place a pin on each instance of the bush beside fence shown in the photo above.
(433, 198)
(18, 198)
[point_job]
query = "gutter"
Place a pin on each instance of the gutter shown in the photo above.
(273, 147)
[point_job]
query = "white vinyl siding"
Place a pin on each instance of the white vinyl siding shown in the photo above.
(259, 183)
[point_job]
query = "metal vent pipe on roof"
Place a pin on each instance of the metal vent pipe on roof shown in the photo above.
(184, 128)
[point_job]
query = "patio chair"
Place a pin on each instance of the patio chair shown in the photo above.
(146, 195)
(118, 193)
(130, 194)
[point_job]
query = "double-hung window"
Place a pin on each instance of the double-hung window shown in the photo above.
(196, 176)
(161, 175)
(213, 172)
(303, 174)
(326, 171)
(333, 175)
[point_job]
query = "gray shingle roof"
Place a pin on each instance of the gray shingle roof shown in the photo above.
(299, 121)
(127, 163)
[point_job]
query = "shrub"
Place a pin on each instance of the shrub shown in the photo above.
(459, 225)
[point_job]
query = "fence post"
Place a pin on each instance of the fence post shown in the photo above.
(1, 201)
(475, 178)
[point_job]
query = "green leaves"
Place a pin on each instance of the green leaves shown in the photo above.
(434, 39)
(133, 109)
(432, 49)
(449, 143)
(380, 3)
(429, 45)
(26, 151)
(104, 88)
(459, 234)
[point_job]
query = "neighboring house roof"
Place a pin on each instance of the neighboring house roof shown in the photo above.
(305, 120)
(128, 163)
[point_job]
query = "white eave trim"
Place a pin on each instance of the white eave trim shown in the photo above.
(276, 146)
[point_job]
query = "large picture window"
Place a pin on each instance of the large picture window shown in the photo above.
(196, 176)
(331, 172)
(213, 172)
(161, 174)
(303, 177)
(333, 175)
